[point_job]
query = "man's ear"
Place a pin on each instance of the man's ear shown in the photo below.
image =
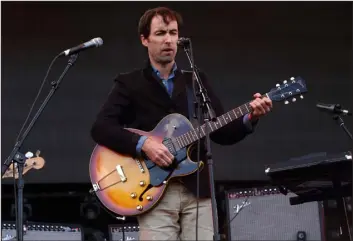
(144, 40)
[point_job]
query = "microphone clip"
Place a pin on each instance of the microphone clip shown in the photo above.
(339, 111)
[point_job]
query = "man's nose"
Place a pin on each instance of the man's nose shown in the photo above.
(168, 38)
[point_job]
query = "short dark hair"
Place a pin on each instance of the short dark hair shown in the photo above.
(168, 15)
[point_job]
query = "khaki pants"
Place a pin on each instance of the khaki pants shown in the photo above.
(174, 217)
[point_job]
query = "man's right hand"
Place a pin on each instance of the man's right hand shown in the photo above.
(157, 152)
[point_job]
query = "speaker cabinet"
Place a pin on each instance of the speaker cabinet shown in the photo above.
(266, 214)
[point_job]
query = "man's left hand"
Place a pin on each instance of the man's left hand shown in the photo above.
(260, 105)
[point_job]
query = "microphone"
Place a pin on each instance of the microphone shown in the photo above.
(334, 108)
(96, 42)
(183, 41)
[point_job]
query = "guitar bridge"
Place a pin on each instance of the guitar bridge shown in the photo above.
(120, 171)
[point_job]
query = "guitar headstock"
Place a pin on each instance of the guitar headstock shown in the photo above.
(33, 162)
(288, 90)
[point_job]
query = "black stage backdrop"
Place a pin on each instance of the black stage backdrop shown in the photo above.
(245, 47)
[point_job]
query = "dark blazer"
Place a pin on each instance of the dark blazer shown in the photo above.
(138, 99)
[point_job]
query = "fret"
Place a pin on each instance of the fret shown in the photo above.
(219, 121)
(245, 109)
(210, 125)
(225, 122)
(178, 141)
(235, 113)
(241, 111)
(215, 125)
(203, 130)
(198, 133)
(248, 107)
(192, 136)
(187, 139)
(188, 136)
(184, 142)
(229, 116)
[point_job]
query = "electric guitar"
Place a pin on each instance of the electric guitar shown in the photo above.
(130, 187)
(34, 162)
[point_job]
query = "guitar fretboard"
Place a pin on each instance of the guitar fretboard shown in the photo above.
(199, 132)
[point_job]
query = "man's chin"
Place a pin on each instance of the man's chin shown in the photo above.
(166, 60)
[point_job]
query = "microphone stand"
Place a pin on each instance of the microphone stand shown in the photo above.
(19, 159)
(340, 122)
(204, 102)
(341, 203)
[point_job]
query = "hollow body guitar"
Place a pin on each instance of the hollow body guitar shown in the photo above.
(130, 186)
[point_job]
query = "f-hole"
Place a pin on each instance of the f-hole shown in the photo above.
(147, 188)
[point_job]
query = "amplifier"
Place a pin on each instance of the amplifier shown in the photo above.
(42, 232)
(266, 214)
(124, 232)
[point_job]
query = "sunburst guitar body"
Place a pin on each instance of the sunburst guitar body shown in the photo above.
(131, 186)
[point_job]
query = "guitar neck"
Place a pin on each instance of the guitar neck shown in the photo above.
(200, 132)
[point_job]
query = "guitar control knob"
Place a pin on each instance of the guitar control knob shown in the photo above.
(142, 183)
(133, 195)
(139, 207)
(149, 198)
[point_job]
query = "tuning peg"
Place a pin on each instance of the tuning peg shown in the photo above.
(301, 97)
(37, 153)
(286, 102)
(277, 85)
(29, 154)
(285, 82)
(294, 99)
(292, 78)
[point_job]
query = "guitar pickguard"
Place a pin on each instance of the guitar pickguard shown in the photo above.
(158, 175)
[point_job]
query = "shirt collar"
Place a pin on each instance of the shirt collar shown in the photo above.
(174, 69)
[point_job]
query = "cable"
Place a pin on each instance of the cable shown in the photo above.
(35, 100)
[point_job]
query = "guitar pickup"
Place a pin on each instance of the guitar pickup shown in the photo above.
(120, 171)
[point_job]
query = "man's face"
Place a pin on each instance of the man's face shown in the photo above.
(162, 41)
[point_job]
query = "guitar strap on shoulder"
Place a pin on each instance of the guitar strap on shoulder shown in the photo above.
(191, 102)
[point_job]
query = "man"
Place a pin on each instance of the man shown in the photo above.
(140, 99)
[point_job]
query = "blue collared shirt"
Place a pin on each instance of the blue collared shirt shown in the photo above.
(169, 84)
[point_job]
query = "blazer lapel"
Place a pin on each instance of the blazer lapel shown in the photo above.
(156, 90)
(179, 84)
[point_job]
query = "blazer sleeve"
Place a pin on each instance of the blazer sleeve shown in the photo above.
(117, 111)
(231, 133)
